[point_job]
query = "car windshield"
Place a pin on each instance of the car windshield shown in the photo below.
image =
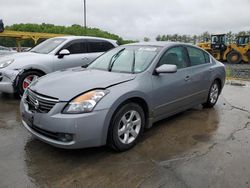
(47, 46)
(127, 59)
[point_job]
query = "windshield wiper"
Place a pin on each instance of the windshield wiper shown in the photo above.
(111, 62)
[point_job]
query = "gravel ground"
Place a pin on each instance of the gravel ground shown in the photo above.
(241, 71)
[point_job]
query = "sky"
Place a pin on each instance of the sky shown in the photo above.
(134, 19)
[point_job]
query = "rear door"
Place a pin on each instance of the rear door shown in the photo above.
(78, 55)
(172, 90)
(201, 70)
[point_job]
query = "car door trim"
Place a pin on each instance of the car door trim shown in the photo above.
(180, 99)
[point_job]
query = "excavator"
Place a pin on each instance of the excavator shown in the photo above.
(233, 53)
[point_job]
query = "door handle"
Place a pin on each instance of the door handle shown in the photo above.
(210, 70)
(187, 78)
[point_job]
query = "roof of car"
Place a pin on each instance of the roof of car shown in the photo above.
(161, 44)
(84, 37)
(158, 43)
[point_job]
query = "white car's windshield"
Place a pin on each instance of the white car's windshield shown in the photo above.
(47, 46)
(128, 59)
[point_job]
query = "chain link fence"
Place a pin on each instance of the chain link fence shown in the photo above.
(238, 71)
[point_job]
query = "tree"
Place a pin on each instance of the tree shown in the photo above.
(146, 39)
(158, 38)
(50, 28)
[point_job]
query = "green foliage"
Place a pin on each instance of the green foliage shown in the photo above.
(50, 28)
(146, 39)
(204, 37)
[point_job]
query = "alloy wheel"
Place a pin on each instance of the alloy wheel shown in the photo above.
(214, 93)
(28, 80)
(129, 127)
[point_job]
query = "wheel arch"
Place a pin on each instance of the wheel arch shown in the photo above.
(15, 83)
(124, 100)
(34, 69)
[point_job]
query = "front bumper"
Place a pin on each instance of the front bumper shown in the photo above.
(7, 80)
(87, 129)
(6, 87)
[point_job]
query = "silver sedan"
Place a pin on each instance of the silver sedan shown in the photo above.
(120, 94)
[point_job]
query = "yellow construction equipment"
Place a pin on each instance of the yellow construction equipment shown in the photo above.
(233, 53)
(20, 35)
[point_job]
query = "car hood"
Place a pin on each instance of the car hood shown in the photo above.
(67, 84)
(21, 58)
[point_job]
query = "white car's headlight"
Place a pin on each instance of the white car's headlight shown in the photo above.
(85, 102)
(6, 63)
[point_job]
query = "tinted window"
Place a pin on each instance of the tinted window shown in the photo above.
(76, 47)
(174, 56)
(196, 56)
(99, 46)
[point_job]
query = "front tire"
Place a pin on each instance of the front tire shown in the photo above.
(126, 127)
(26, 79)
(213, 95)
(234, 57)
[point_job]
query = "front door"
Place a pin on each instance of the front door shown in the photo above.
(172, 90)
(78, 55)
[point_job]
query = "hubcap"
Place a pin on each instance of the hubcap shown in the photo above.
(129, 127)
(214, 93)
(235, 57)
(28, 80)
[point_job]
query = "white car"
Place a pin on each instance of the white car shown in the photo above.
(5, 50)
(18, 70)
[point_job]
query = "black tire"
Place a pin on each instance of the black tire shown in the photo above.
(114, 141)
(21, 79)
(234, 57)
(210, 103)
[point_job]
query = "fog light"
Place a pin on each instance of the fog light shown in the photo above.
(65, 137)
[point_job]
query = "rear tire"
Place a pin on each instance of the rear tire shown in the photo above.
(126, 127)
(234, 57)
(213, 95)
(25, 80)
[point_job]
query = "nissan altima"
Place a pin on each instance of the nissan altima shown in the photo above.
(122, 93)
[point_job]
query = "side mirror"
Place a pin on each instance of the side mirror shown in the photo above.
(63, 52)
(166, 69)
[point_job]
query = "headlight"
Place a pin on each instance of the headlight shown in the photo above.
(85, 103)
(6, 63)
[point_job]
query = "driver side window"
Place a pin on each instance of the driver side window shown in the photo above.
(174, 56)
(76, 47)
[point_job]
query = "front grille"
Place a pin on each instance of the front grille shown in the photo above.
(40, 103)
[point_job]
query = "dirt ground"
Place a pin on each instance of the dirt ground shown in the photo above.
(197, 148)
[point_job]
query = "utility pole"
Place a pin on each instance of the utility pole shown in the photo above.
(85, 17)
